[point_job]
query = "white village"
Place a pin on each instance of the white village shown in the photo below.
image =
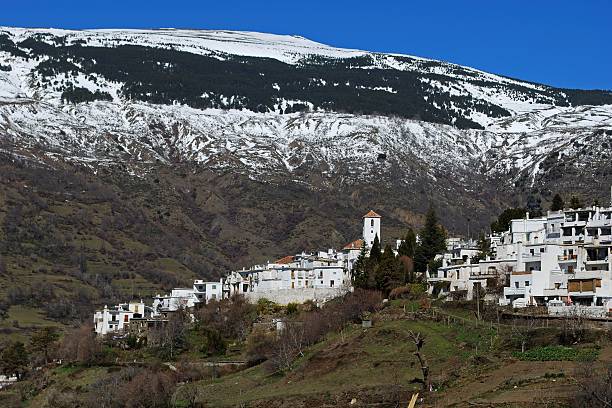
(561, 260)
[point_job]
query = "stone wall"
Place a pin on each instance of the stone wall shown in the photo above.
(299, 295)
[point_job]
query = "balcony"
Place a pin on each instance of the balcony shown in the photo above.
(600, 223)
(536, 256)
(555, 292)
(597, 261)
(567, 258)
(510, 291)
(598, 274)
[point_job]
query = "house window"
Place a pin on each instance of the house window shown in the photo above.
(516, 284)
(214, 296)
(292, 285)
(214, 287)
(371, 223)
(526, 283)
(331, 283)
(245, 287)
(321, 282)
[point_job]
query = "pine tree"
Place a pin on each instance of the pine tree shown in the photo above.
(375, 253)
(502, 224)
(432, 241)
(360, 270)
(14, 359)
(557, 203)
(576, 203)
(408, 245)
(42, 340)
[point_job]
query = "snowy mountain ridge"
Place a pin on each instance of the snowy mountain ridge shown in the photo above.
(315, 113)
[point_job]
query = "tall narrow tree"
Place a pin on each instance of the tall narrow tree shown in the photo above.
(408, 245)
(360, 271)
(432, 241)
(388, 274)
(375, 252)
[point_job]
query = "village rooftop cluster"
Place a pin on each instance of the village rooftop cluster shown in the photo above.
(561, 260)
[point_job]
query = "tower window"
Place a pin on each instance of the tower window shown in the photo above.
(372, 223)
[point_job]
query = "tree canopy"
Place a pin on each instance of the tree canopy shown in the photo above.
(432, 241)
(557, 203)
(502, 223)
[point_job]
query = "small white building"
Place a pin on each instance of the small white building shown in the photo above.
(207, 291)
(116, 319)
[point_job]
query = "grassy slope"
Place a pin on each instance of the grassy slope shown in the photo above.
(470, 364)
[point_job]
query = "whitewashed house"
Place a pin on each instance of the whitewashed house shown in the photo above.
(318, 276)
(564, 256)
(117, 318)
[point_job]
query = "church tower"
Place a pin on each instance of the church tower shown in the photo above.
(371, 228)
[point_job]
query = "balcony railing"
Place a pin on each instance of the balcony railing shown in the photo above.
(510, 291)
(567, 258)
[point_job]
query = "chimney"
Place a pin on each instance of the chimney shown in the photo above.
(527, 215)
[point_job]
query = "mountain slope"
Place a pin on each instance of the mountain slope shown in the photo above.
(133, 160)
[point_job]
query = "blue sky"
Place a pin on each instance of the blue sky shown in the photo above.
(561, 43)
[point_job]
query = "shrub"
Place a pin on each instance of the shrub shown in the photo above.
(557, 353)
(259, 347)
(292, 309)
(232, 318)
(213, 343)
(267, 307)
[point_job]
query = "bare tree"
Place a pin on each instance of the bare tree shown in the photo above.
(522, 331)
(288, 347)
(171, 336)
(419, 341)
(574, 326)
(595, 388)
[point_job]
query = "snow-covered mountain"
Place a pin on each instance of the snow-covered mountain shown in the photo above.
(271, 106)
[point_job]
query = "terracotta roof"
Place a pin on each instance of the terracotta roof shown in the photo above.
(371, 214)
(357, 244)
(285, 260)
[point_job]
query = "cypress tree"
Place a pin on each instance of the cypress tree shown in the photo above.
(375, 253)
(408, 245)
(557, 203)
(360, 270)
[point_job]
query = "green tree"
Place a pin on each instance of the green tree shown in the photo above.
(388, 274)
(43, 339)
(557, 203)
(502, 224)
(14, 359)
(375, 253)
(432, 241)
(360, 270)
(484, 248)
(408, 245)
(576, 202)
